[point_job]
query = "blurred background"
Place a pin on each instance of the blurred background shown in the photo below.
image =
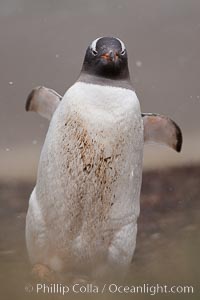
(43, 43)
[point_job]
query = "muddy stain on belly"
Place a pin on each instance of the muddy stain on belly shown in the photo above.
(97, 174)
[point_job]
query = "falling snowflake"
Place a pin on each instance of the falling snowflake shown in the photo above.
(138, 63)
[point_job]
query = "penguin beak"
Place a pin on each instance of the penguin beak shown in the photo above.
(111, 56)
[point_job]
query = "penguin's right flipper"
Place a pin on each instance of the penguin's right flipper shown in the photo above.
(44, 101)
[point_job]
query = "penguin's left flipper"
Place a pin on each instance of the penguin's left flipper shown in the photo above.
(162, 130)
(43, 101)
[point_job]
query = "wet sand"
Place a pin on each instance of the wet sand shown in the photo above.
(168, 242)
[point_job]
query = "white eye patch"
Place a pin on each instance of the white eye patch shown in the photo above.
(122, 45)
(93, 46)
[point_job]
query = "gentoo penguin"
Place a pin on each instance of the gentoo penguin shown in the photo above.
(82, 215)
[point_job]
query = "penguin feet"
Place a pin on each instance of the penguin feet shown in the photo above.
(43, 273)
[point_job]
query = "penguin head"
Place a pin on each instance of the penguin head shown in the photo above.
(106, 57)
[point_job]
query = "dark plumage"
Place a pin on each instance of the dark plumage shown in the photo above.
(108, 59)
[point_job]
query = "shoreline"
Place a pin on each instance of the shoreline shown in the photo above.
(21, 162)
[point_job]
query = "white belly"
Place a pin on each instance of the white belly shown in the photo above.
(89, 175)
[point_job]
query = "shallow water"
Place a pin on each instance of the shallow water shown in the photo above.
(168, 243)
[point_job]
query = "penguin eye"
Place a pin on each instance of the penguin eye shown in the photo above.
(94, 52)
(123, 52)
